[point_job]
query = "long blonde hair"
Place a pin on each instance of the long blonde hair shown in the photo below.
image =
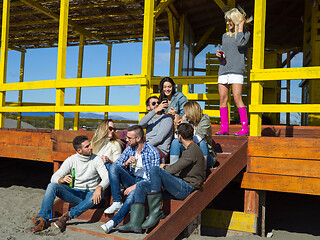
(193, 111)
(101, 134)
(237, 15)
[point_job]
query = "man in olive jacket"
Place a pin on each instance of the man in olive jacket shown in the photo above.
(179, 179)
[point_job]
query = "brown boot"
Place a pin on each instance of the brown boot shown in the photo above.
(39, 225)
(62, 221)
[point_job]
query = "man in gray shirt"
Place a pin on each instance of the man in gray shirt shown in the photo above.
(159, 126)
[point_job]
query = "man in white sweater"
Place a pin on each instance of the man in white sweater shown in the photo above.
(91, 178)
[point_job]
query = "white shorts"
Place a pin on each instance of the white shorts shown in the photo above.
(230, 78)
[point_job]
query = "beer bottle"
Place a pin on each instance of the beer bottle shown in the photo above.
(73, 178)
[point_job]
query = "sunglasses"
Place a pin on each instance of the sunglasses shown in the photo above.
(228, 21)
(112, 129)
(154, 103)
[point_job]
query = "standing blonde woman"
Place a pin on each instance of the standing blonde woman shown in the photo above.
(232, 67)
(105, 143)
(202, 134)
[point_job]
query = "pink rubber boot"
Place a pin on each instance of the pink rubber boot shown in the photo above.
(244, 122)
(224, 121)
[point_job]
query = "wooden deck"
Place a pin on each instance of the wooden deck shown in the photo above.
(286, 159)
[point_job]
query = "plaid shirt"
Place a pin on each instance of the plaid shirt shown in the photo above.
(149, 154)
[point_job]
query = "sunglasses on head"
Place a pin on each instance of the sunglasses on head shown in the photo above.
(228, 21)
(112, 129)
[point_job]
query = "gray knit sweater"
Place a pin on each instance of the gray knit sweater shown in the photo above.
(235, 50)
(159, 130)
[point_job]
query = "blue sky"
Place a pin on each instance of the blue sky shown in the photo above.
(41, 64)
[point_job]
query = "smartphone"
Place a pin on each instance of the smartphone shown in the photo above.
(165, 100)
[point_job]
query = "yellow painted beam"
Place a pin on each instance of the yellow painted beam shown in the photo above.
(201, 44)
(161, 7)
(229, 220)
(61, 62)
(108, 74)
(257, 64)
(76, 82)
(203, 96)
(55, 16)
(212, 113)
(87, 108)
(4, 54)
(275, 108)
(189, 80)
(181, 41)
(224, 6)
(79, 75)
(147, 53)
(21, 77)
(285, 73)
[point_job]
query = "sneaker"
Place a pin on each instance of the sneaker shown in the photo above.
(39, 225)
(108, 226)
(62, 221)
(113, 208)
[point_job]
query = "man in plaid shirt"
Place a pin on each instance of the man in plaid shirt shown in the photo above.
(138, 157)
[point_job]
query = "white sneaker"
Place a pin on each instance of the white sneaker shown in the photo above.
(113, 208)
(108, 226)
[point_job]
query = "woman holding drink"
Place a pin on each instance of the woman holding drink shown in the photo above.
(232, 67)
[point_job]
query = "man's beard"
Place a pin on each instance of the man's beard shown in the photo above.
(134, 144)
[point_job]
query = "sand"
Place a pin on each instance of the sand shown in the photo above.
(22, 186)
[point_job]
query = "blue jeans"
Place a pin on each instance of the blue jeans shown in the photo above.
(82, 199)
(177, 148)
(118, 175)
(177, 188)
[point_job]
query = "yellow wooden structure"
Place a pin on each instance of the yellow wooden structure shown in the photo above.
(152, 10)
(263, 77)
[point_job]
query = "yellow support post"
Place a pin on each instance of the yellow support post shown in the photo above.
(79, 75)
(22, 60)
(61, 64)
(172, 25)
(147, 53)
(108, 75)
(181, 48)
(257, 64)
(4, 55)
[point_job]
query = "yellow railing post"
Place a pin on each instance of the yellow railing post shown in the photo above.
(147, 53)
(61, 63)
(172, 25)
(22, 60)
(4, 55)
(181, 48)
(257, 64)
(79, 75)
(108, 75)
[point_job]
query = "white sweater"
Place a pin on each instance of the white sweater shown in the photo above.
(110, 149)
(90, 172)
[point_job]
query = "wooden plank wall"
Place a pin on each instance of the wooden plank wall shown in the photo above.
(283, 164)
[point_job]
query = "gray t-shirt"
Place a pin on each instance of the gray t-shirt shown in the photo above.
(235, 50)
(159, 130)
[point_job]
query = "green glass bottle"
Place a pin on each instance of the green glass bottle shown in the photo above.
(73, 178)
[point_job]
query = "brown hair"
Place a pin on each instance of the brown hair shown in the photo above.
(193, 111)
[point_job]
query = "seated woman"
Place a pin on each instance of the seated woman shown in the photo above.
(105, 143)
(202, 134)
(175, 99)
(179, 180)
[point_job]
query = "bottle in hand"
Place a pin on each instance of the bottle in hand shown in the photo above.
(71, 184)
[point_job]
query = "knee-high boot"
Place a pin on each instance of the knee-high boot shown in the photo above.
(155, 212)
(224, 121)
(137, 214)
(244, 122)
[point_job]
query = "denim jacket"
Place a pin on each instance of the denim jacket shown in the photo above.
(178, 100)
